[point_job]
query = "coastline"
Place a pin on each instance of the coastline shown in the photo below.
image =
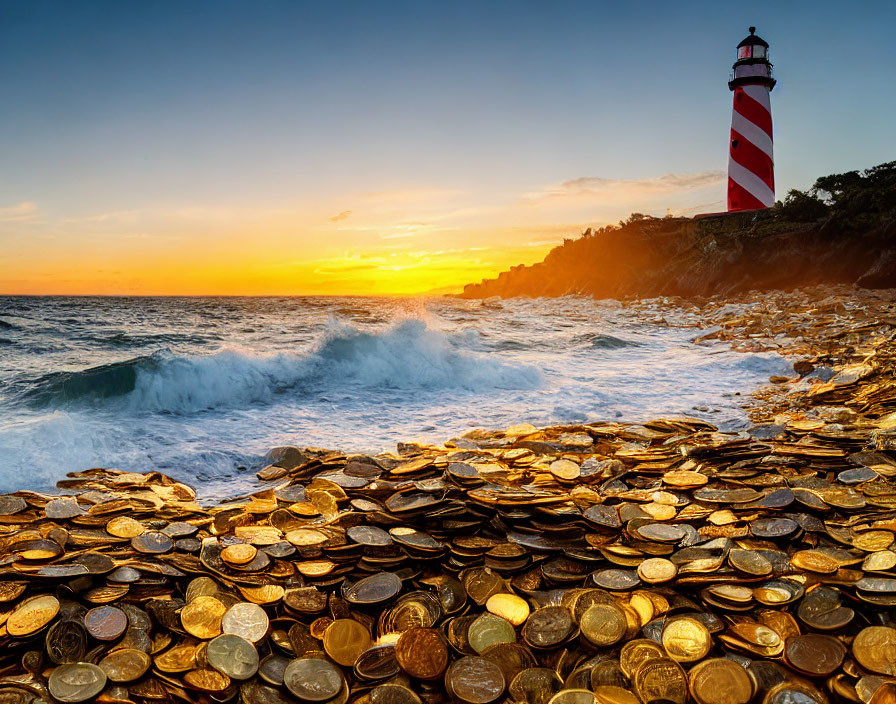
(718, 557)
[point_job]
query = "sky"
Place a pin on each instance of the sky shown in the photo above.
(222, 147)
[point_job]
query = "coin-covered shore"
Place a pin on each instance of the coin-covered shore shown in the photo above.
(610, 563)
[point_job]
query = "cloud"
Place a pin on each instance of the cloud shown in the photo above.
(341, 216)
(596, 187)
(128, 216)
(26, 211)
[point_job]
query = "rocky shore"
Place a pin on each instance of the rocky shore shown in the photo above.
(842, 231)
(609, 563)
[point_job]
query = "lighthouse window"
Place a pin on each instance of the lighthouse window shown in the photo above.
(745, 52)
(758, 52)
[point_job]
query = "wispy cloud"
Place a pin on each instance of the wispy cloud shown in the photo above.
(598, 188)
(341, 216)
(26, 211)
(113, 216)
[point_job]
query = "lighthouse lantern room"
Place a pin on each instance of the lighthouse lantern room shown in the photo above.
(751, 167)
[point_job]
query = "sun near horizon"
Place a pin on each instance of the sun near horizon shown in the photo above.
(401, 148)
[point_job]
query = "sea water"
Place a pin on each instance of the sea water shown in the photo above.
(201, 388)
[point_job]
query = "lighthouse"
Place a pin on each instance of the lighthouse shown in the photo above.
(751, 164)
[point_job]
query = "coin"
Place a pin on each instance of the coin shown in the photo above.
(239, 554)
(32, 614)
(422, 653)
(720, 681)
(369, 535)
(548, 626)
(814, 653)
(603, 624)
(105, 622)
(125, 665)
(66, 641)
(125, 527)
(345, 639)
(207, 680)
(202, 617)
(246, 620)
(233, 656)
(313, 679)
(657, 570)
(875, 649)
(374, 589)
(508, 606)
(573, 696)
(76, 682)
(612, 694)
(152, 542)
(636, 652)
(474, 680)
(535, 685)
(488, 630)
(661, 680)
(686, 640)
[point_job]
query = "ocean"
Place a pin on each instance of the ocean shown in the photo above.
(201, 388)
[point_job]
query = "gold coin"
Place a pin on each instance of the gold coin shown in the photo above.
(32, 615)
(603, 624)
(315, 568)
(265, 594)
(306, 537)
(686, 640)
(873, 540)
(656, 570)
(509, 606)
(239, 554)
(814, 561)
(125, 665)
(180, 658)
(125, 527)
(565, 470)
(720, 681)
(207, 679)
(661, 680)
(875, 649)
(636, 652)
(202, 617)
(345, 639)
(684, 479)
(422, 653)
(611, 694)
(258, 535)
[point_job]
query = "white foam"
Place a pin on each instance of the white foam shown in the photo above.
(409, 355)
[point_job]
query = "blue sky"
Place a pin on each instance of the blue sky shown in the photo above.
(171, 124)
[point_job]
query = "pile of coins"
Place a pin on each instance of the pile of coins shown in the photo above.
(607, 563)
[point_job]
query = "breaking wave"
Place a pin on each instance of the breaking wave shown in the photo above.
(408, 356)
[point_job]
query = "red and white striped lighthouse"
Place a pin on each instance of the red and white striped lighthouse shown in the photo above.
(751, 164)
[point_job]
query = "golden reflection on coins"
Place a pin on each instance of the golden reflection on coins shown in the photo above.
(686, 640)
(344, 640)
(720, 681)
(202, 617)
(32, 614)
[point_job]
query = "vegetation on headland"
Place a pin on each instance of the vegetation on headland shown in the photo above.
(842, 230)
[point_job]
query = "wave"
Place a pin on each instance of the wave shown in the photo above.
(603, 341)
(408, 356)
(6, 325)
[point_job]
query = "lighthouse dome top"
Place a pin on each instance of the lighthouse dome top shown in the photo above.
(753, 40)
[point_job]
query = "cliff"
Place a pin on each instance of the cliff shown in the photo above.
(842, 231)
